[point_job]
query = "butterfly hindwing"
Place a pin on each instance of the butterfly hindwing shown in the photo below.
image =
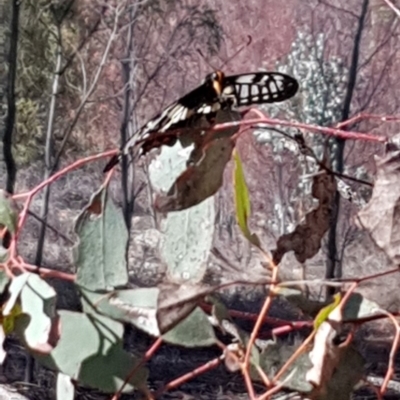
(261, 87)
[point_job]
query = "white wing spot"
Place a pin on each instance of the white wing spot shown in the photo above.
(244, 91)
(228, 90)
(205, 109)
(243, 79)
(254, 90)
(177, 114)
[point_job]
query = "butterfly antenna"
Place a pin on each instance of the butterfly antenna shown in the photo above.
(249, 40)
(205, 59)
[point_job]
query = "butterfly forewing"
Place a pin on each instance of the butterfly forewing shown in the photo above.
(261, 87)
(170, 119)
(197, 109)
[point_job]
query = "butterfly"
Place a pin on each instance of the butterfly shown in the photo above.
(196, 111)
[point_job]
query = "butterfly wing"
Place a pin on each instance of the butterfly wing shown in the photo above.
(260, 88)
(194, 110)
(197, 110)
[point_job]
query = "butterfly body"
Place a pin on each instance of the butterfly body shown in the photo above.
(196, 111)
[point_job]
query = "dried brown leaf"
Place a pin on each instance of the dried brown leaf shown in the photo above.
(336, 369)
(381, 216)
(325, 355)
(199, 181)
(206, 165)
(305, 240)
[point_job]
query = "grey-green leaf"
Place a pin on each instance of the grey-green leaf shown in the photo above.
(38, 304)
(101, 253)
(194, 331)
(135, 306)
(90, 351)
(8, 214)
(187, 235)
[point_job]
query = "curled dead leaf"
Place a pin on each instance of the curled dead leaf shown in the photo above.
(233, 356)
(381, 216)
(205, 166)
(305, 240)
(200, 180)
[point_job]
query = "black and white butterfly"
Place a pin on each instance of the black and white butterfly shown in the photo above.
(199, 108)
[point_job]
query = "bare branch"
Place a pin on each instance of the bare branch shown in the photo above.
(10, 118)
(92, 87)
(49, 152)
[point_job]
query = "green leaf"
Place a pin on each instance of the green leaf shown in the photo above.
(8, 220)
(4, 281)
(149, 311)
(142, 308)
(177, 301)
(8, 214)
(194, 331)
(90, 351)
(242, 201)
(9, 320)
(275, 355)
(297, 298)
(219, 311)
(134, 306)
(16, 286)
(348, 373)
(101, 253)
(187, 242)
(38, 308)
(3, 254)
(358, 307)
(324, 313)
(188, 234)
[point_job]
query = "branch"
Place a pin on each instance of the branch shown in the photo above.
(126, 124)
(332, 245)
(49, 151)
(10, 118)
(393, 7)
(92, 88)
(92, 30)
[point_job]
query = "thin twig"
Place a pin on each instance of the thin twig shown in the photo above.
(49, 150)
(393, 7)
(92, 88)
